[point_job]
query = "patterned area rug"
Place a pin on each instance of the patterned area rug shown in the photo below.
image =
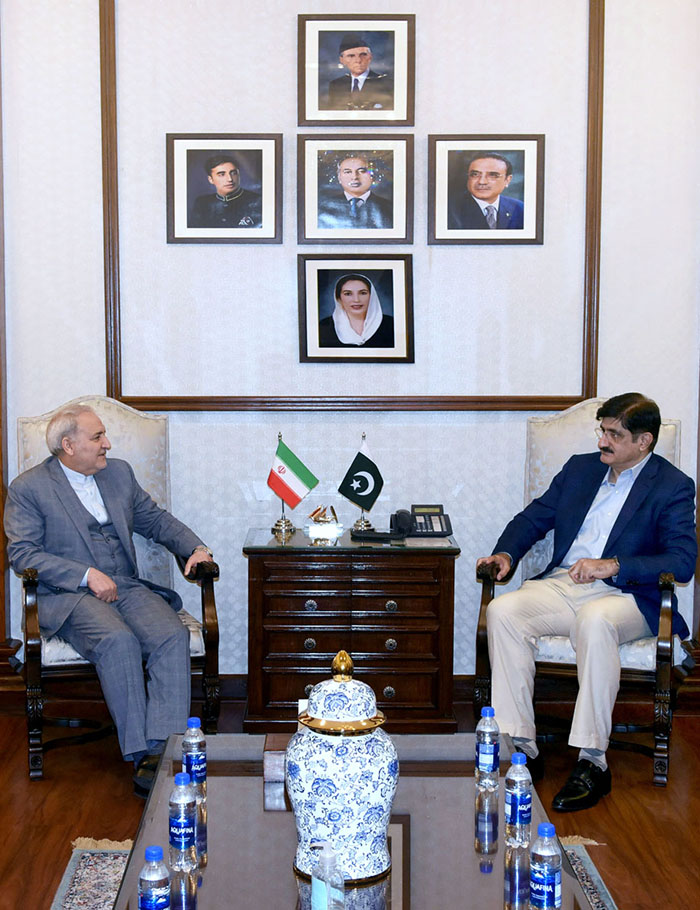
(92, 878)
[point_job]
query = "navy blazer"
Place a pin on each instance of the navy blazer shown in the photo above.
(654, 532)
(465, 214)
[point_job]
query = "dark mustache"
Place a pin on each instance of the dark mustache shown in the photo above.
(606, 450)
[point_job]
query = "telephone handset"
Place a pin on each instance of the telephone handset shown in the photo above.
(421, 521)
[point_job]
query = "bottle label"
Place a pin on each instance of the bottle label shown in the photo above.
(181, 832)
(155, 899)
(518, 808)
(195, 764)
(487, 756)
(545, 888)
(319, 895)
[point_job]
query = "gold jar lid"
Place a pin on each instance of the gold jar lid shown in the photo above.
(342, 706)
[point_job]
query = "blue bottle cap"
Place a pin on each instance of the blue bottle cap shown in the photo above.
(182, 778)
(518, 758)
(193, 722)
(154, 854)
(545, 829)
(487, 712)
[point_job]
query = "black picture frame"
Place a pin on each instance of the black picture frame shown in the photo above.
(454, 213)
(195, 214)
(387, 93)
(391, 277)
(331, 166)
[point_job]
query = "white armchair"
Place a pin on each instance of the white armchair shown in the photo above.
(142, 440)
(551, 441)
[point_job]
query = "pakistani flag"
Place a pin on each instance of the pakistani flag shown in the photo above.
(363, 482)
(289, 478)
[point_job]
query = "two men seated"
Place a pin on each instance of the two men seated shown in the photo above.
(620, 518)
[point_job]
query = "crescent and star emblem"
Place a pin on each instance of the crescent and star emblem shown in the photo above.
(356, 483)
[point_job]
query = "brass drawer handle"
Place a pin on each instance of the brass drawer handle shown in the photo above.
(310, 605)
(391, 606)
(307, 690)
(391, 644)
(309, 644)
(389, 692)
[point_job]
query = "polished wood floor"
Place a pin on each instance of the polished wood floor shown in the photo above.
(649, 855)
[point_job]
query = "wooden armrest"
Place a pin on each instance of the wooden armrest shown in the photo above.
(32, 635)
(206, 573)
(664, 640)
(203, 571)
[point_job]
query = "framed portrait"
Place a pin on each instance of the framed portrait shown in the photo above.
(355, 188)
(355, 308)
(224, 187)
(356, 69)
(486, 189)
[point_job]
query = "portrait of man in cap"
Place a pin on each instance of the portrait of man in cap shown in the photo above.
(360, 88)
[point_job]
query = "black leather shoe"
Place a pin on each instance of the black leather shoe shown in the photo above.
(586, 784)
(534, 765)
(145, 775)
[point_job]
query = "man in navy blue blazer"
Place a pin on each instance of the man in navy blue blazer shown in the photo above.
(620, 518)
(483, 206)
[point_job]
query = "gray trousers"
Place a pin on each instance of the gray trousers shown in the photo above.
(596, 617)
(117, 638)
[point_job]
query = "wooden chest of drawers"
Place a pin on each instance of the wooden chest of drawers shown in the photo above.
(391, 607)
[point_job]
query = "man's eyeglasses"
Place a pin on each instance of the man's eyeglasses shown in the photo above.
(613, 435)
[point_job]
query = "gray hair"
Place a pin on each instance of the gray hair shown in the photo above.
(63, 424)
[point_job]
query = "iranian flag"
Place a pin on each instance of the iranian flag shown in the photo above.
(289, 478)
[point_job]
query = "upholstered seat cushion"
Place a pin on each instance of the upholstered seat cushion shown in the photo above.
(634, 655)
(56, 651)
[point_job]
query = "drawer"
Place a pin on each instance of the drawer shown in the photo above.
(411, 573)
(394, 643)
(306, 603)
(295, 642)
(394, 691)
(397, 604)
(401, 690)
(305, 572)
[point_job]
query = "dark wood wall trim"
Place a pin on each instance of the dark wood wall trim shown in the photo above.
(330, 403)
(110, 196)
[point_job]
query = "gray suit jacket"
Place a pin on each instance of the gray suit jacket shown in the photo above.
(47, 528)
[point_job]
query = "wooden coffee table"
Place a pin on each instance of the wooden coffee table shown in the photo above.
(251, 850)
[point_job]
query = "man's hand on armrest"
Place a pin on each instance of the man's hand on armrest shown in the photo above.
(101, 585)
(500, 560)
(200, 554)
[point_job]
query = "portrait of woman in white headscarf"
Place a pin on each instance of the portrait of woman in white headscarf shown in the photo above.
(357, 318)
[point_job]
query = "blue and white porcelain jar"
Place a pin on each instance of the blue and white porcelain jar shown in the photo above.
(341, 772)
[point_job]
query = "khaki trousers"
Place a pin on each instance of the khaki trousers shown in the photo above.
(596, 617)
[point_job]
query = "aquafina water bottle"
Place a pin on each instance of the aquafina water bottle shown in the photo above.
(194, 763)
(154, 881)
(545, 869)
(486, 760)
(194, 756)
(518, 802)
(183, 814)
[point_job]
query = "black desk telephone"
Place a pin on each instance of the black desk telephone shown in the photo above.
(421, 521)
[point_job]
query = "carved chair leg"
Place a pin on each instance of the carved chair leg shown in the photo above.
(663, 718)
(35, 722)
(211, 688)
(482, 695)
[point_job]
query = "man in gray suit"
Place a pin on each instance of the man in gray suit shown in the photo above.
(72, 518)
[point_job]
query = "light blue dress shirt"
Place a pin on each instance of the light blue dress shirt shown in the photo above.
(593, 534)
